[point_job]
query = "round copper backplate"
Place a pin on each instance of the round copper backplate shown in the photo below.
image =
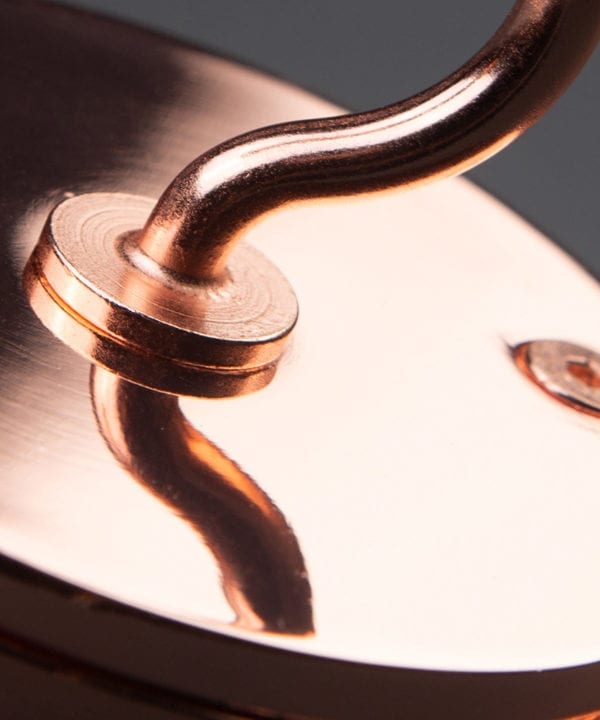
(399, 525)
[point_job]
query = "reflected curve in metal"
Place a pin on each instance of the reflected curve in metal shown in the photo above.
(445, 130)
(262, 569)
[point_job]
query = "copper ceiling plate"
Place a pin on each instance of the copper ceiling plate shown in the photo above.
(401, 524)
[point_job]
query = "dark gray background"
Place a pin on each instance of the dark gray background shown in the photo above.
(367, 53)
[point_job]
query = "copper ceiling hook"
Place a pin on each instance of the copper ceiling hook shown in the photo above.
(445, 130)
(204, 314)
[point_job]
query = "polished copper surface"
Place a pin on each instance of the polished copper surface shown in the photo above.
(567, 372)
(203, 339)
(445, 130)
(183, 254)
(260, 563)
(443, 508)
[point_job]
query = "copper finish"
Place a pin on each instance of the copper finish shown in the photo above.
(186, 245)
(448, 530)
(567, 372)
(83, 280)
(325, 437)
(451, 127)
(262, 569)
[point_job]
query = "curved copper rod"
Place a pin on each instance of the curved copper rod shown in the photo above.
(445, 130)
(263, 572)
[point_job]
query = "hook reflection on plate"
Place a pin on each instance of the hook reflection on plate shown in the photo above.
(263, 572)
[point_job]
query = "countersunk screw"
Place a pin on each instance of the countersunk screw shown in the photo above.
(569, 373)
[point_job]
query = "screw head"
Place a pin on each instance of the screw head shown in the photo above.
(568, 372)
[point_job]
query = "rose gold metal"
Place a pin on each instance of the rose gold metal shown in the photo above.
(567, 372)
(262, 569)
(445, 509)
(175, 295)
(209, 339)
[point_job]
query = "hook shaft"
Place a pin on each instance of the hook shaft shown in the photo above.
(442, 131)
(181, 306)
